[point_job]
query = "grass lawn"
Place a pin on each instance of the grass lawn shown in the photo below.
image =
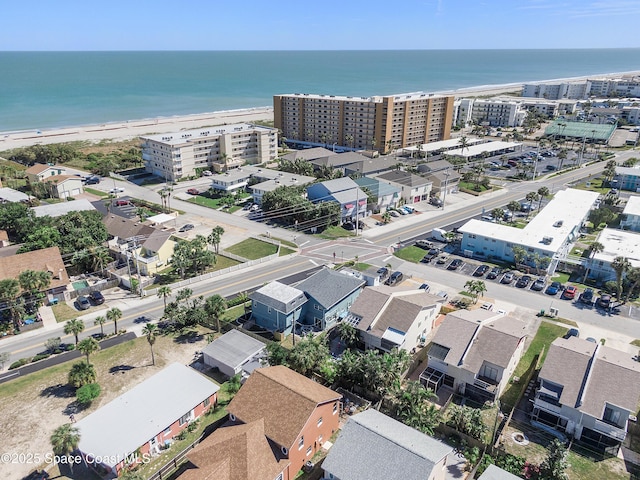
(331, 233)
(561, 277)
(205, 201)
(95, 192)
(472, 187)
(285, 251)
(584, 468)
(235, 208)
(361, 267)
(232, 313)
(253, 249)
(546, 334)
(169, 275)
(64, 312)
(595, 185)
(410, 254)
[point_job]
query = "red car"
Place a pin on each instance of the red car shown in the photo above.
(193, 191)
(570, 292)
(121, 203)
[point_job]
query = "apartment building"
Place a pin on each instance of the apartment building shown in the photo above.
(381, 123)
(183, 154)
(557, 91)
(491, 112)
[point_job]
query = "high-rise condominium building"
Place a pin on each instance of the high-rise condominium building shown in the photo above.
(187, 153)
(380, 123)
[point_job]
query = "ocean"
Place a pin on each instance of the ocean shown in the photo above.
(57, 89)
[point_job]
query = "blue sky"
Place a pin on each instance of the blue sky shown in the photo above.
(317, 25)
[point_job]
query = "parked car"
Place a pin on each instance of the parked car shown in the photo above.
(553, 288)
(193, 191)
(116, 190)
(507, 278)
(424, 286)
(569, 292)
(383, 272)
(551, 168)
(408, 209)
(206, 173)
(604, 301)
(83, 303)
(572, 332)
(481, 270)
(523, 281)
(97, 297)
(425, 244)
(395, 278)
(435, 201)
(495, 271)
(487, 306)
(455, 264)
(538, 285)
(121, 203)
(92, 180)
(586, 297)
(431, 254)
(186, 228)
(247, 206)
(393, 213)
(442, 259)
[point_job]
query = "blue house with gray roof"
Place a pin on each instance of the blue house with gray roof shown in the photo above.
(343, 191)
(276, 306)
(329, 294)
(373, 446)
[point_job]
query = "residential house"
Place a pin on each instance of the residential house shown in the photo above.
(309, 154)
(384, 194)
(41, 171)
(155, 252)
(630, 219)
(628, 178)
(343, 191)
(233, 352)
(371, 166)
(339, 161)
(413, 188)
(135, 425)
(475, 352)
(496, 473)
(59, 209)
(9, 195)
(43, 260)
(299, 414)
(442, 175)
(373, 446)
(236, 451)
(277, 307)
(329, 294)
(588, 391)
(64, 186)
(388, 318)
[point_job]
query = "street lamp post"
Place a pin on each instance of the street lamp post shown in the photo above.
(446, 182)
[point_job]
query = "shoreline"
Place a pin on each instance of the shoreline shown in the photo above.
(131, 129)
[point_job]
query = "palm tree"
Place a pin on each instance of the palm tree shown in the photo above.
(100, 257)
(531, 197)
(215, 306)
(150, 330)
(215, 236)
(100, 320)
(65, 440)
(543, 192)
(620, 265)
(633, 276)
(562, 156)
(498, 214)
(74, 327)
(519, 254)
(464, 144)
(348, 334)
(594, 248)
(386, 217)
(88, 346)
(82, 373)
(514, 206)
(113, 315)
(164, 292)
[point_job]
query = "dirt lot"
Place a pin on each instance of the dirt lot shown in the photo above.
(35, 405)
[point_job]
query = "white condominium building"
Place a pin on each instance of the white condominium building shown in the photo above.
(494, 113)
(184, 154)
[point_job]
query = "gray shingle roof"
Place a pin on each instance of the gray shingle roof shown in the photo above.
(62, 208)
(340, 185)
(279, 296)
(309, 153)
(435, 166)
(372, 446)
(233, 348)
(328, 287)
(496, 473)
(404, 178)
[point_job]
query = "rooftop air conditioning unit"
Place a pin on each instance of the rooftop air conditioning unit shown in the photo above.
(547, 240)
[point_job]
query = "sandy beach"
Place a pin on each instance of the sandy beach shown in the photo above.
(119, 131)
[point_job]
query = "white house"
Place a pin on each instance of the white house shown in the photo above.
(413, 188)
(474, 352)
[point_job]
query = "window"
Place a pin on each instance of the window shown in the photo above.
(185, 418)
(301, 443)
(320, 421)
(206, 402)
(309, 450)
(335, 408)
(611, 416)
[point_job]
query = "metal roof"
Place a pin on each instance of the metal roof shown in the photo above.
(234, 348)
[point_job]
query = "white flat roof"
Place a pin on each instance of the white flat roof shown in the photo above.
(11, 195)
(161, 218)
(62, 208)
(126, 423)
(633, 206)
(569, 206)
(619, 243)
(187, 136)
(478, 149)
(445, 144)
(234, 348)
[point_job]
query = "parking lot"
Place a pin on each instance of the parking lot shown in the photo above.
(547, 161)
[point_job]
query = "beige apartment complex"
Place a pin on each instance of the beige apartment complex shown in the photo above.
(183, 154)
(380, 123)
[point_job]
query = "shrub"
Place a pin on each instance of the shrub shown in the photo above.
(69, 347)
(40, 356)
(87, 393)
(53, 344)
(19, 363)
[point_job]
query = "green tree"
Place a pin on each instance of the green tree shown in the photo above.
(82, 373)
(88, 346)
(88, 393)
(386, 217)
(514, 207)
(164, 292)
(34, 281)
(519, 255)
(234, 384)
(277, 354)
(215, 236)
(531, 197)
(214, 307)
(562, 156)
(467, 420)
(555, 464)
(309, 354)
(476, 288)
(620, 265)
(100, 320)
(498, 214)
(348, 334)
(412, 405)
(65, 440)
(543, 192)
(150, 331)
(74, 327)
(113, 315)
